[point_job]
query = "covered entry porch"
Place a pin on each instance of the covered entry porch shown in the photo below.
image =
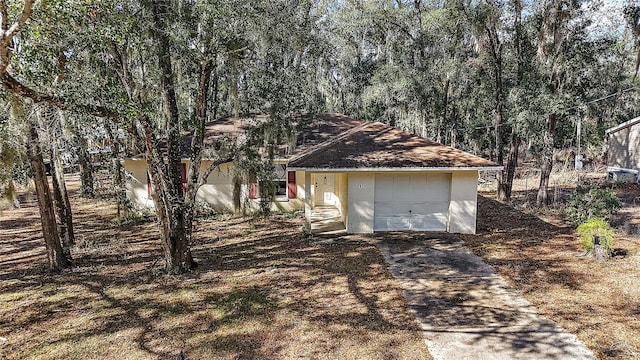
(326, 201)
(326, 219)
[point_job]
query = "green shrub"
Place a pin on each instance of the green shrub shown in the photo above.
(591, 201)
(596, 227)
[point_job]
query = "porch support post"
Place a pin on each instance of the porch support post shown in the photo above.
(307, 200)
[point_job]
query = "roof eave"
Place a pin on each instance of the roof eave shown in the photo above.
(396, 169)
(623, 125)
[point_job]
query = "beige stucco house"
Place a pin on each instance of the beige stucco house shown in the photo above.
(378, 178)
(623, 160)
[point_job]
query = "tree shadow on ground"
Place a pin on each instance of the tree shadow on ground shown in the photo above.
(296, 262)
(260, 285)
(540, 245)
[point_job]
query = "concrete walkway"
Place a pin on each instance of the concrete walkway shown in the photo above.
(326, 220)
(467, 311)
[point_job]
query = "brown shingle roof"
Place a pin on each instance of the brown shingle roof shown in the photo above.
(309, 132)
(376, 145)
(324, 127)
(227, 129)
(335, 141)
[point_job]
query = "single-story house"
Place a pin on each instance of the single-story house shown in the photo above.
(623, 160)
(379, 178)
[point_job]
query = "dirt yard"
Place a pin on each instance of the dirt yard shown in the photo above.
(599, 301)
(262, 291)
(265, 291)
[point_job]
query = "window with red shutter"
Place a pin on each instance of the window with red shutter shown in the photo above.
(291, 185)
(183, 171)
(253, 190)
(253, 187)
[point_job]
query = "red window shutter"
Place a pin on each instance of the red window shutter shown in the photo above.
(183, 171)
(253, 190)
(291, 185)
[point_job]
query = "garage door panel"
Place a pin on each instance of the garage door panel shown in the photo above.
(401, 184)
(418, 188)
(432, 222)
(385, 209)
(430, 207)
(401, 208)
(391, 223)
(412, 202)
(421, 208)
(439, 186)
(383, 181)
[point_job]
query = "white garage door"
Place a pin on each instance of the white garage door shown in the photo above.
(412, 202)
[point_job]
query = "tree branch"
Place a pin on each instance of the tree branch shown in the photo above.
(19, 24)
(214, 164)
(12, 84)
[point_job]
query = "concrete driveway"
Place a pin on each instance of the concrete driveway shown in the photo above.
(467, 311)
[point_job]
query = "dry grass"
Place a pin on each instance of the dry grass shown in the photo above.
(262, 290)
(598, 301)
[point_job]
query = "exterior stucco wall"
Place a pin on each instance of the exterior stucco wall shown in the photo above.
(300, 186)
(361, 192)
(624, 148)
(342, 190)
(312, 191)
(464, 202)
(136, 183)
(217, 192)
(287, 205)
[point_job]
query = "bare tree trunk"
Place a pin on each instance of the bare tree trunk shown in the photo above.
(556, 15)
(445, 107)
(118, 178)
(497, 122)
(86, 169)
(547, 161)
(491, 29)
(63, 207)
(504, 188)
(55, 254)
(234, 97)
(193, 182)
(61, 196)
(170, 205)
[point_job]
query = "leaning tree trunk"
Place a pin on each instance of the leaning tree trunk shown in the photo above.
(55, 254)
(547, 161)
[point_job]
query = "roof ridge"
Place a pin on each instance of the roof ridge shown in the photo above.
(325, 144)
(409, 133)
